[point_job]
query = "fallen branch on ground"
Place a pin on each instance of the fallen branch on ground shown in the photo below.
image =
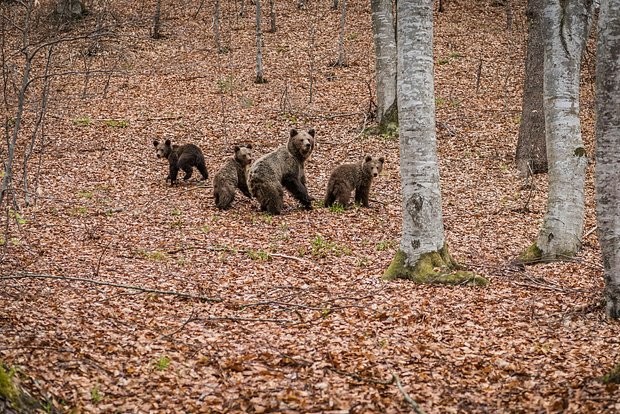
(117, 285)
(234, 250)
(416, 407)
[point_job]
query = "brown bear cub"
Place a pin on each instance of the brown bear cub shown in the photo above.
(231, 176)
(348, 177)
(181, 157)
(282, 168)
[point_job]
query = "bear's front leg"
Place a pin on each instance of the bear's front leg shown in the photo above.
(298, 190)
(172, 175)
(361, 195)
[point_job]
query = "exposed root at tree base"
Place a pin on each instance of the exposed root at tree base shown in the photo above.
(534, 255)
(433, 268)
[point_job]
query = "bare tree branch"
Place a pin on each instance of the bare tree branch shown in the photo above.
(118, 285)
(416, 407)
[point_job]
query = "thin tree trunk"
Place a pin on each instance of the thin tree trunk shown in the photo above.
(216, 26)
(335, 5)
(341, 55)
(13, 132)
(423, 254)
(156, 33)
(566, 24)
(385, 52)
(272, 15)
(531, 156)
(260, 78)
(608, 150)
(509, 15)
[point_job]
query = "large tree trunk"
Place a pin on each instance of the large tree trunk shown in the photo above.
(566, 24)
(385, 53)
(423, 255)
(608, 149)
(531, 156)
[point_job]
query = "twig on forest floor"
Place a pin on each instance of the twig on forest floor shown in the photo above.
(244, 319)
(592, 230)
(180, 328)
(416, 407)
(298, 305)
(234, 250)
(543, 287)
(117, 285)
(359, 378)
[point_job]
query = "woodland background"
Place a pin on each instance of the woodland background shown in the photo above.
(300, 321)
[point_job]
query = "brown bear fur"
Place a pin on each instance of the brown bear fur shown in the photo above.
(231, 176)
(181, 157)
(348, 177)
(282, 168)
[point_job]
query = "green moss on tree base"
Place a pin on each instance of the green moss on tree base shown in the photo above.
(8, 391)
(432, 268)
(15, 398)
(532, 254)
(613, 376)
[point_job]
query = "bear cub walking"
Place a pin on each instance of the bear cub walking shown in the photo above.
(348, 177)
(181, 157)
(282, 168)
(231, 176)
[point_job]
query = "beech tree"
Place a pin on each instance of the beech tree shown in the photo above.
(385, 66)
(566, 24)
(531, 154)
(608, 149)
(423, 254)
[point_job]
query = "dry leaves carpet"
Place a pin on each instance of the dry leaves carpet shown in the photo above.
(288, 313)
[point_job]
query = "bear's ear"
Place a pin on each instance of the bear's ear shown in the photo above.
(368, 158)
(293, 132)
(168, 142)
(237, 148)
(249, 146)
(155, 142)
(381, 159)
(311, 132)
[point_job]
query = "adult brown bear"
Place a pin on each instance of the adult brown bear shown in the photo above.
(282, 168)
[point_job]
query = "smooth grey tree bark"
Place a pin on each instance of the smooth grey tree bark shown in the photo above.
(531, 155)
(385, 54)
(566, 24)
(608, 149)
(423, 254)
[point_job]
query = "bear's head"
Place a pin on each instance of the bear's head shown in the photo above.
(372, 166)
(301, 143)
(162, 150)
(243, 154)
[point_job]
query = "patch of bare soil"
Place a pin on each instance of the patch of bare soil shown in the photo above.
(288, 313)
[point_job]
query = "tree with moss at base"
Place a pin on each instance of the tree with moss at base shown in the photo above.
(423, 255)
(566, 25)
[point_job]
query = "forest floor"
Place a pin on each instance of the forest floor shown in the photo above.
(244, 312)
